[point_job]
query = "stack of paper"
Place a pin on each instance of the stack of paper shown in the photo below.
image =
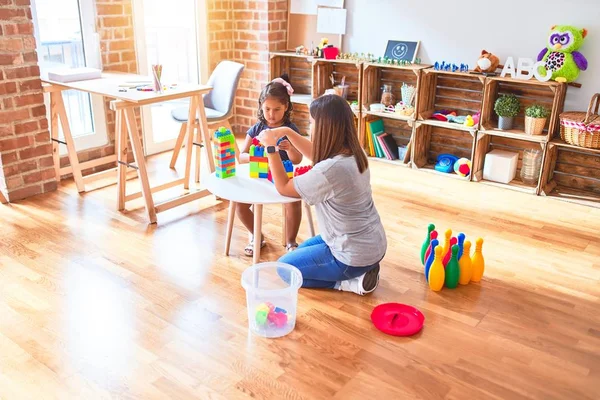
(74, 74)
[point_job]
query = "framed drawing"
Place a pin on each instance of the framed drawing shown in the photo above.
(402, 50)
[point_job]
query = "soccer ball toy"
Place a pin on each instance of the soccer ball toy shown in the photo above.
(463, 167)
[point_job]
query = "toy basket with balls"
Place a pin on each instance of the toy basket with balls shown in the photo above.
(582, 128)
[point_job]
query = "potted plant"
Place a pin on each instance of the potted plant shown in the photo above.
(507, 107)
(535, 119)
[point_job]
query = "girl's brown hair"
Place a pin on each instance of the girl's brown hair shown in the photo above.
(334, 131)
(279, 92)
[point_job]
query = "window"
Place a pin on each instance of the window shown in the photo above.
(65, 37)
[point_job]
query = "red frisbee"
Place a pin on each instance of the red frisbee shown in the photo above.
(397, 319)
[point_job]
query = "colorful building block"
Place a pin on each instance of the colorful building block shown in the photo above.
(224, 153)
(302, 170)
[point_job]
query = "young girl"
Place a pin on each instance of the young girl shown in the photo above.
(346, 255)
(274, 110)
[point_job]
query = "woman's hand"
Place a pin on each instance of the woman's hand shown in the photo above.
(285, 145)
(269, 137)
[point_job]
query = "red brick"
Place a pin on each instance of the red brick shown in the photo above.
(13, 182)
(38, 111)
(128, 56)
(109, 9)
(115, 45)
(6, 2)
(115, 22)
(23, 2)
(50, 186)
(43, 123)
(30, 57)
(8, 158)
(35, 151)
(29, 43)
(6, 130)
(22, 72)
(16, 143)
(33, 177)
(29, 99)
(46, 162)
(13, 115)
(25, 192)
(26, 127)
(20, 168)
(48, 174)
(7, 14)
(8, 103)
(25, 28)
(32, 84)
(42, 138)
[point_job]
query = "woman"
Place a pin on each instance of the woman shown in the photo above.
(347, 253)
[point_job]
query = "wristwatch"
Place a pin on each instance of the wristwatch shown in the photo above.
(270, 149)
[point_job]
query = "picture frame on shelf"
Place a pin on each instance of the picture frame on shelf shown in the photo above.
(402, 50)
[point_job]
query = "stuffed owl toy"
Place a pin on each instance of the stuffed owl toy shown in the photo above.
(561, 56)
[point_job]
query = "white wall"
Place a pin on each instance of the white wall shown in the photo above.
(457, 33)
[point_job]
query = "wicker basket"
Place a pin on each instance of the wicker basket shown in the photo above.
(534, 126)
(582, 129)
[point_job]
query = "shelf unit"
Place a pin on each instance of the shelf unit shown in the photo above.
(568, 173)
(549, 94)
(572, 173)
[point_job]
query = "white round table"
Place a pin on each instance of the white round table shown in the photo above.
(256, 191)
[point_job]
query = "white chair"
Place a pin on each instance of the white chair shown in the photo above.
(218, 104)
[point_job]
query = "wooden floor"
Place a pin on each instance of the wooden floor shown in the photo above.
(97, 304)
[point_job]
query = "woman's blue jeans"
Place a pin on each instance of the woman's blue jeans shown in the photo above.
(319, 267)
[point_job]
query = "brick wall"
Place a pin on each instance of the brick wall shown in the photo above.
(25, 149)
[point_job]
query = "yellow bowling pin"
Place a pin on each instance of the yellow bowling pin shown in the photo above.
(477, 261)
(448, 236)
(466, 269)
(437, 274)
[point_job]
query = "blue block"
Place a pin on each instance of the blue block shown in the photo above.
(259, 151)
(263, 175)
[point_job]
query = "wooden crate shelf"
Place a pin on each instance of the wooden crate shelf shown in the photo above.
(429, 141)
(572, 173)
(444, 90)
(375, 76)
(400, 130)
(486, 143)
(549, 94)
(351, 70)
(300, 70)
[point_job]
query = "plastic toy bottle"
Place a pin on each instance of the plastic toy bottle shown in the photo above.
(425, 244)
(461, 242)
(452, 269)
(434, 245)
(437, 274)
(477, 261)
(448, 254)
(434, 235)
(448, 235)
(464, 264)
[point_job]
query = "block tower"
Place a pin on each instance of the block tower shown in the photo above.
(259, 164)
(289, 170)
(224, 152)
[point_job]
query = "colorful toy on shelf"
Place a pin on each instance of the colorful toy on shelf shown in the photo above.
(267, 313)
(487, 63)
(477, 261)
(561, 56)
(224, 153)
(450, 67)
(445, 163)
(259, 164)
(455, 259)
(469, 121)
(462, 167)
(452, 270)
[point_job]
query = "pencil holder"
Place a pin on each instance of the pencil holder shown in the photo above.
(156, 74)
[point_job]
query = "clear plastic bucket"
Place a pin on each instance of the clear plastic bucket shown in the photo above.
(272, 298)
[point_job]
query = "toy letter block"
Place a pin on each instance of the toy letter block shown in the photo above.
(302, 170)
(224, 153)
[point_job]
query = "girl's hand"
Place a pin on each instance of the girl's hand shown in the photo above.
(269, 137)
(285, 145)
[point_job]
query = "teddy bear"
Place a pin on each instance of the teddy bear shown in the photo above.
(488, 62)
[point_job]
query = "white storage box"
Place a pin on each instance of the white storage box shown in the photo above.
(500, 166)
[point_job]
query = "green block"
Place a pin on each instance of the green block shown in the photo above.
(261, 317)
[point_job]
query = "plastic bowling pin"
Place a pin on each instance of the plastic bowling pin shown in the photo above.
(448, 254)
(434, 245)
(447, 235)
(452, 269)
(477, 261)
(461, 243)
(437, 274)
(425, 244)
(464, 264)
(434, 235)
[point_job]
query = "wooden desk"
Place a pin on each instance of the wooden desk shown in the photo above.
(123, 104)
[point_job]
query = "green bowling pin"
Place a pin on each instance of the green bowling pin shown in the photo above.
(425, 244)
(452, 269)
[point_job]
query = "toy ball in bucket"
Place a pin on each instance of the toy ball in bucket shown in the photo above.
(272, 298)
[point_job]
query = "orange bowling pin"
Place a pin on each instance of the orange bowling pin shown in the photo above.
(448, 236)
(437, 274)
(466, 269)
(477, 261)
